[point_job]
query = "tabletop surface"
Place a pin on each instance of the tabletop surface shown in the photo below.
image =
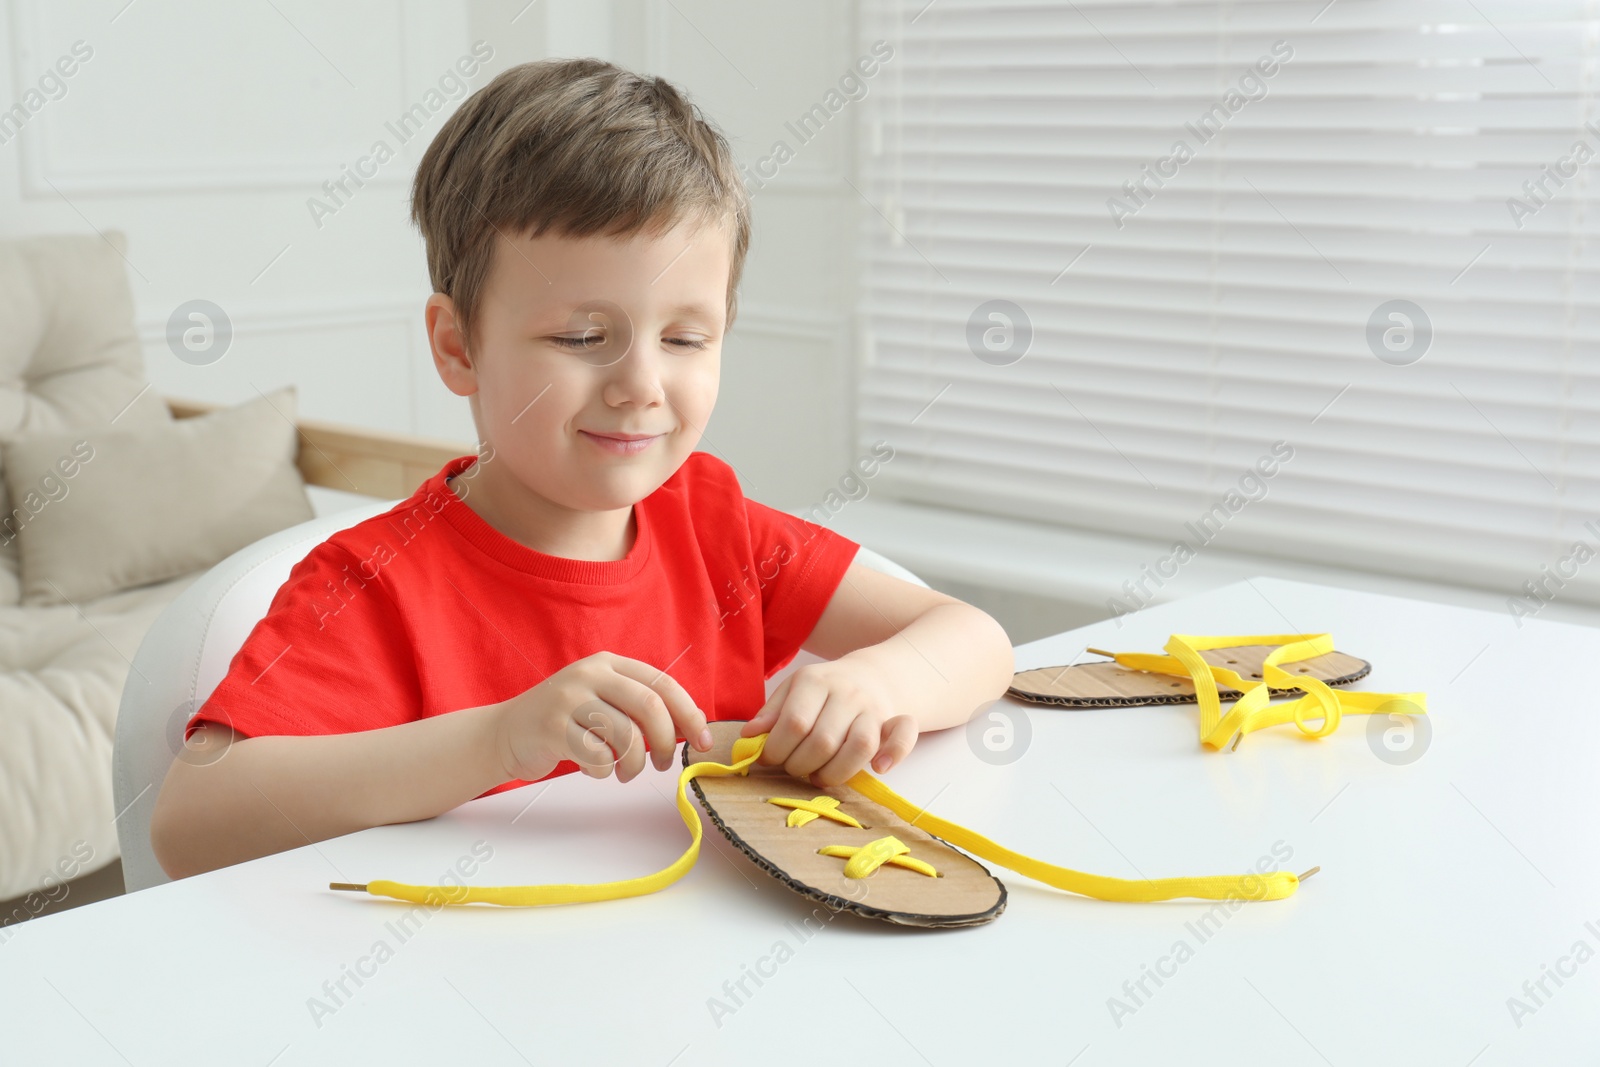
(1455, 919)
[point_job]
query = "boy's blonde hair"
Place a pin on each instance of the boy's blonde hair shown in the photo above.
(578, 146)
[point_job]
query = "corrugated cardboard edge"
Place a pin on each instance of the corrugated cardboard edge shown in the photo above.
(1185, 695)
(836, 903)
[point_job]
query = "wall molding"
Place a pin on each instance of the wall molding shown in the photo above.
(298, 317)
(764, 317)
(42, 178)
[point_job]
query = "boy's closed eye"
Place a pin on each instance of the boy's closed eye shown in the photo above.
(595, 341)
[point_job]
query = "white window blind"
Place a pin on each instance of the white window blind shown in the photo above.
(1230, 308)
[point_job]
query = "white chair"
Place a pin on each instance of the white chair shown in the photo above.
(186, 652)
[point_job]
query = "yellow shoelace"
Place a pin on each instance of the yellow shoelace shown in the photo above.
(864, 859)
(1252, 711)
(806, 810)
(1273, 886)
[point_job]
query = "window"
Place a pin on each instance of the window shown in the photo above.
(1123, 258)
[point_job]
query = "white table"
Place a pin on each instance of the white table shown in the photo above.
(1445, 885)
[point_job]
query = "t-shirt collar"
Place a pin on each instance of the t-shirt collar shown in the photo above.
(491, 542)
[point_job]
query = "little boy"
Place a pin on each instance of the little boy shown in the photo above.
(587, 589)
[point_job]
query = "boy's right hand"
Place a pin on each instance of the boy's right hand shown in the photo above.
(599, 712)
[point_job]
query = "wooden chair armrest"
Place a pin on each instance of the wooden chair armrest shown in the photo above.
(372, 462)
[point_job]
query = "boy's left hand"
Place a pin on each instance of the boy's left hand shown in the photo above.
(827, 720)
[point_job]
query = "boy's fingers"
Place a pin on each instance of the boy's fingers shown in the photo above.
(899, 738)
(632, 754)
(854, 751)
(762, 721)
(597, 736)
(643, 706)
(801, 705)
(829, 737)
(686, 719)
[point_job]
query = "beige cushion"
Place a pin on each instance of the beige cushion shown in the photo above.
(64, 669)
(69, 354)
(104, 509)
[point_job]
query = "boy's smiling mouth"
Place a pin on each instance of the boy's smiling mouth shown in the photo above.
(622, 444)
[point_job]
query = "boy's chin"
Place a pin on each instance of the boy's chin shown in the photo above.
(618, 490)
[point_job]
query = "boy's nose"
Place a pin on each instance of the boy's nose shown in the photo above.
(634, 376)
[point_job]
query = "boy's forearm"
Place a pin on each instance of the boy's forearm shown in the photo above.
(948, 663)
(272, 793)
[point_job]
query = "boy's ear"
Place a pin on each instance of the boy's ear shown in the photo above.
(449, 348)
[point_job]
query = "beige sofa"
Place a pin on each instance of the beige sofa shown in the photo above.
(70, 358)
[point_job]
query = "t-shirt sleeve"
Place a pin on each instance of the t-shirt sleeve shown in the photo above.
(799, 564)
(331, 655)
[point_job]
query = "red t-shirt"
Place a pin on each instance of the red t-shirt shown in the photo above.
(427, 609)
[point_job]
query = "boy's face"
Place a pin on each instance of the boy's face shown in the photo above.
(583, 337)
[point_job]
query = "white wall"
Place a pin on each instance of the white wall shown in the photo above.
(205, 132)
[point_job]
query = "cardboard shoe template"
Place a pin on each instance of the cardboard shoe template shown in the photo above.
(834, 845)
